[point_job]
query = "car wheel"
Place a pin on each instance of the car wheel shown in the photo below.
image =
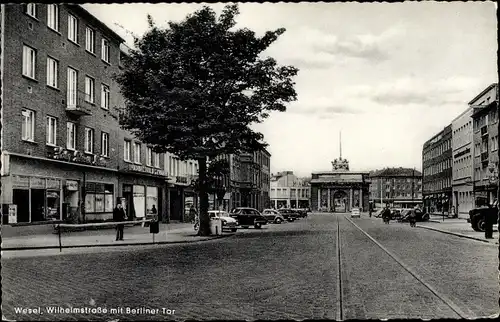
(278, 220)
(257, 225)
(481, 224)
(234, 230)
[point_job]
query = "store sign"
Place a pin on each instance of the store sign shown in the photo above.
(180, 179)
(37, 183)
(20, 181)
(144, 169)
(72, 185)
(77, 157)
(12, 214)
(53, 184)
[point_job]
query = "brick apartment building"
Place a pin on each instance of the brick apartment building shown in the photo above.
(485, 140)
(437, 178)
(63, 153)
(397, 187)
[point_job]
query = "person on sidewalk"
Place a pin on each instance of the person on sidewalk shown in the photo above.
(192, 214)
(118, 216)
(412, 218)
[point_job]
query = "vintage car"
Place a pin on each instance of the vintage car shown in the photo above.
(247, 217)
(273, 216)
(355, 213)
(228, 223)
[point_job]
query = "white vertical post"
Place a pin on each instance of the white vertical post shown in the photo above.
(361, 199)
(351, 199)
(319, 198)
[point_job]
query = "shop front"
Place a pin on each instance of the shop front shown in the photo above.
(40, 190)
(142, 195)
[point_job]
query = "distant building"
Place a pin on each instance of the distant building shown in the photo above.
(396, 187)
(485, 139)
(462, 187)
(437, 172)
(289, 191)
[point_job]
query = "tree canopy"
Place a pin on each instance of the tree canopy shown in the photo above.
(194, 88)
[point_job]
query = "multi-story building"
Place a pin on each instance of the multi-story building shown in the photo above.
(289, 191)
(63, 152)
(462, 186)
(485, 140)
(437, 172)
(397, 187)
(254, 186)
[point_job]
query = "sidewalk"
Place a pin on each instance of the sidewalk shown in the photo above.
(136, 235)
(460, 228)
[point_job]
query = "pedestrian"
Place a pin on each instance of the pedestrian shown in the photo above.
(192, 214)
(119, 216)
(386, 215)
(412, 218)
(154, 212)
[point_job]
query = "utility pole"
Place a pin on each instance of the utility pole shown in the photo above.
(413, 187)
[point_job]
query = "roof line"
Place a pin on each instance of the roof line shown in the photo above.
(481, 94)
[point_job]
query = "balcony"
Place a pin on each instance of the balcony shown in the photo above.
(484, 156)
(77, 105)
(484, 130)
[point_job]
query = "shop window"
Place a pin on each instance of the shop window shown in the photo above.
(98, 197)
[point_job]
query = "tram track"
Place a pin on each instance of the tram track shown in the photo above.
(340, 291)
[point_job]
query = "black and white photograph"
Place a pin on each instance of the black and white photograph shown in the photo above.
(249, 161)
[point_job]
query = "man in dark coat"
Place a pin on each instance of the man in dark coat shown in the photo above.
(119, 215)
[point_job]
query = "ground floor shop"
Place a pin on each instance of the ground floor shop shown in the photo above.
(143, 196)
(463, 200)
(396, 203)
(438, 202)
(485, 194)
(278, 203)
(38, 190)
(180, 199)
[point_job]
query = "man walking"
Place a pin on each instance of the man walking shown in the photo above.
(118, 216)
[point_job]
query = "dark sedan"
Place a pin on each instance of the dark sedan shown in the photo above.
(247, 217)
(419, 215)
(289, 214)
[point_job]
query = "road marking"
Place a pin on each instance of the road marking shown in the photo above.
(339, 312)
(442, 297)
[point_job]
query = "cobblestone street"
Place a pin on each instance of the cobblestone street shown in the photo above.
(287, 271)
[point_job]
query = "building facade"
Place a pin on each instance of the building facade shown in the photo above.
(340, 190)
(437, 164)
(396, 187)
(63, 152)
(462, 186)
(289, 191)
(254, 181)
(485, 140)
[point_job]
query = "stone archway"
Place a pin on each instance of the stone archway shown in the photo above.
(340, 201)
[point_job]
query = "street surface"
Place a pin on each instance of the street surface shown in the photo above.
(287, 271)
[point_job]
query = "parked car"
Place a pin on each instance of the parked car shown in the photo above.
(477, 216)
(355, 213)
(273, 216)
(247, 217)
(396, 213)
(419, 215)
(378, 213)
(289, 214)
(226, 220)
(301, 211)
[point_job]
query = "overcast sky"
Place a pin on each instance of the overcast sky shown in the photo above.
(389, 76)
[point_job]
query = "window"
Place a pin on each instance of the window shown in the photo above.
(71, 136)
(105, 96)
(31, 9)
(29, 61)
(149, 156)
(156, 159)
(51, 130)
(89, 140)
(137, 152)
(28, 127)
(72, 28)
(90, 40)
(53, 16)
(105, 50)
(98, 197)
(52, 72)
(105, 144)
(126, 150)
(72, 86)
(89, 89)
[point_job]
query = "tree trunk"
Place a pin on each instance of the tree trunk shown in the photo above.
(204, 220)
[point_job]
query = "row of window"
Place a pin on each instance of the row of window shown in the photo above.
(152, 158)
(176, 167)
(485, 147)
(462, 135)
(73, 27)
(29, 70)
(483, 120)
(437, 168)
(438, 150)
(437, 185)
(462, 167)
(28, 134)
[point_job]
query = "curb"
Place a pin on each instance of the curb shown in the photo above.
(459, 235)
(116, 245)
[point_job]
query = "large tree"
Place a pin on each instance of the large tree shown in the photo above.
(194, 87)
